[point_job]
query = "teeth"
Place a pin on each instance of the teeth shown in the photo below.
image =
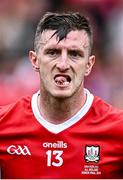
(66, 83)
(62, 83)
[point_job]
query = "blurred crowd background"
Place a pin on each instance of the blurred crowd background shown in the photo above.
(18, 21)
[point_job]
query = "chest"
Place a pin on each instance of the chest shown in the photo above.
(69, 154)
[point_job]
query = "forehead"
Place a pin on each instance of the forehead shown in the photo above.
(77, 39)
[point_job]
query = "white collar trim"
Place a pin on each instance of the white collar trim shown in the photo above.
(60, 127)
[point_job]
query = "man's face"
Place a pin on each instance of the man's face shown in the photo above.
(63, 65)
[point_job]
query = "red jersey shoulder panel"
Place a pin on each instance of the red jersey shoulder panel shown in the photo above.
(13, 115)
(102, 109)
(104, 118)
(23, 103)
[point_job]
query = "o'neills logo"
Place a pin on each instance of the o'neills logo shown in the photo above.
(58, 144)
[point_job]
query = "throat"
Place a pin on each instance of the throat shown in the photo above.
(58, 111)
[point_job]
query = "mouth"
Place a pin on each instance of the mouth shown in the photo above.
(62, 80)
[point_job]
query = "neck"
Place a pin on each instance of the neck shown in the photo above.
(58, 110)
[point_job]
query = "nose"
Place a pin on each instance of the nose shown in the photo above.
(63, 62)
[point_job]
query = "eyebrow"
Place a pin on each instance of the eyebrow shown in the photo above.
(78, 50)
(56, 46)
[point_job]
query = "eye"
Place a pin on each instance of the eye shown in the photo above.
(75, 54)
(52, 52)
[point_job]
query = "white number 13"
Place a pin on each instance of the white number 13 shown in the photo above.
(58, 158)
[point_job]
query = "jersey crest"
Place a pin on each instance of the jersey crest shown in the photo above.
(92, 153)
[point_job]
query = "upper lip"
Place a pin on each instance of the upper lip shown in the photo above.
(64, 75)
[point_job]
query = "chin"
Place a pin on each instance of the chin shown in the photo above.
(62, 95)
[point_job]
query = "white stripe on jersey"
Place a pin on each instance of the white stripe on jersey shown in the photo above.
(60, 127)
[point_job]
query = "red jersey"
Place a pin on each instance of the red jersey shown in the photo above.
(88, 145)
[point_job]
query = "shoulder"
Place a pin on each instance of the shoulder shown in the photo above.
(22, 104)
(105, 119)
(106, 110)
(103, 105)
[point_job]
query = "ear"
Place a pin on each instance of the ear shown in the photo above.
(89, 65)
(34, 60)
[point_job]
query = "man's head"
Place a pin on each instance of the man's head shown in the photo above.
(62, 53)
(62, 23)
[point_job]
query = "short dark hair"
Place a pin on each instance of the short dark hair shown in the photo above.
(63, 23)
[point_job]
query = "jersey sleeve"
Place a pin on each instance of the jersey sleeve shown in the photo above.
(4, 111)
